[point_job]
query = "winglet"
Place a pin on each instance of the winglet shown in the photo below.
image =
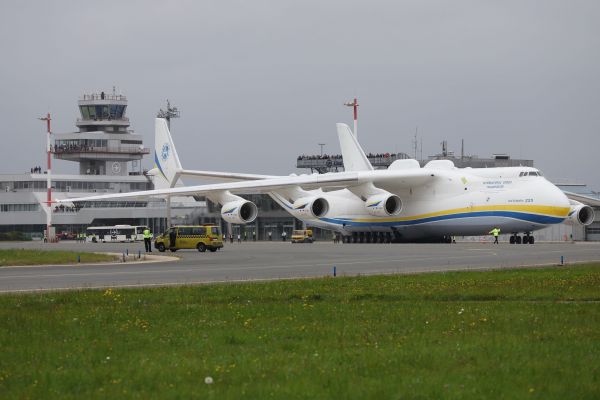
(354, 156)
(167, 167)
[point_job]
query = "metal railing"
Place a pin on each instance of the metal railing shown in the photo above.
(333, 161)
(103, 150)
(103, 96)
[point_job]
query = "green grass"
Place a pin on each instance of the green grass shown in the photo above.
(37, 257)
(463, 335)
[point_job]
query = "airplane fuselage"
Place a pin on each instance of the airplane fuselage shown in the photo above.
(462, 202)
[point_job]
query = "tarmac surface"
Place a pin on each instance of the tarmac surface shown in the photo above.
(277, 260)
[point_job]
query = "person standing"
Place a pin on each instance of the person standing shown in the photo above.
(239, 238)
(270, 236)
(172, 238)
(148, 240)
(495, 232)
(283, 236)
(254, 236)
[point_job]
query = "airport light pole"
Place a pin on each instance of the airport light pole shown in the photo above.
(48, 179)
(321, 144)
(354, 104)
(170, 112)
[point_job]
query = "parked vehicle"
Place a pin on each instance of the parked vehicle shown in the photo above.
(302, 236)
(200, 237)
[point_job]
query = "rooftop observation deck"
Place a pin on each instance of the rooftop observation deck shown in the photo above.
(335, 162)
(85, 149)
(103, 96)
(70, 152)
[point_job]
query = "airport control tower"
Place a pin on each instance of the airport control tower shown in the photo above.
(104, 144)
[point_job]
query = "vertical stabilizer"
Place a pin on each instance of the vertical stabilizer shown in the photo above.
(166, 162)
(354, 156)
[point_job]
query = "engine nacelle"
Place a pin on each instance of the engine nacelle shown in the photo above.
(383, 205)
(239, 212)
(315, 207)
(581, 214)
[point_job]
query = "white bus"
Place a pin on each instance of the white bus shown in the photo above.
(116, 233)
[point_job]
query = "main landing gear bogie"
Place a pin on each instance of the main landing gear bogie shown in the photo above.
(526, 239)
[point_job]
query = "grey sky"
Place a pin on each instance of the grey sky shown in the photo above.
(259, 82)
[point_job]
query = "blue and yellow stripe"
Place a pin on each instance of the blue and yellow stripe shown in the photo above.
(529, 213)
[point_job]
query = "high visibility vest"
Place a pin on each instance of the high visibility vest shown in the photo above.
(147, 234)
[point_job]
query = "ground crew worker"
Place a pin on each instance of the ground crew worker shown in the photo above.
(495, 232)
(172, 238)
(239, 238)
(270, 238)
(148, 240)
(254, 236)
(283, 236)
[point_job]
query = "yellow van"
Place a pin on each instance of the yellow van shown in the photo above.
(302, 236)
(200, 237)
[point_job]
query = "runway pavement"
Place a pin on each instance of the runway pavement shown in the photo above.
(278, 260)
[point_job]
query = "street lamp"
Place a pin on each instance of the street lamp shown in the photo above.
(321, 144)
(170, 112)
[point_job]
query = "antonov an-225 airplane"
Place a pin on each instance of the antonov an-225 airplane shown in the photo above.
(402, 203)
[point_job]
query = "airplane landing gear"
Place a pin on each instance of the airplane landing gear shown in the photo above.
(527, 239)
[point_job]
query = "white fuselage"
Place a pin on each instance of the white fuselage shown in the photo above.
(455, 202)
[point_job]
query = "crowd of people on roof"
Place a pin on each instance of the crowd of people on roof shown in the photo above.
(71, 147)
(36, 170)
(339, 156)
(63, 208)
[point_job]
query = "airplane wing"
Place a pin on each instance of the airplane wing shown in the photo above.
(339, 180)
(590, 201)
(225, 176)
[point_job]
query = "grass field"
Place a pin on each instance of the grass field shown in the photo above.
(37, 257)
(515, 334)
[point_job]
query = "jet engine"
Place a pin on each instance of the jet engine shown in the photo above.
(581, 214)
(239, 211)
(383, 205)
(315, 207)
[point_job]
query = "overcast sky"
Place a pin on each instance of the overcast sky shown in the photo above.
(260, 82)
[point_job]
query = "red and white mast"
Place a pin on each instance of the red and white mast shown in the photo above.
(48, 179)
(354, 104)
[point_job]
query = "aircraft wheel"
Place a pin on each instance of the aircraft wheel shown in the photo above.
(531, 240)
(518, 239)
(512, 239)
(526, 239)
